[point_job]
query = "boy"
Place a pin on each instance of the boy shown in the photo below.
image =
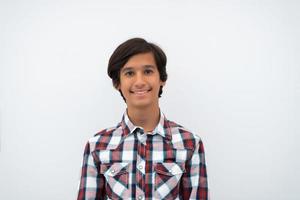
(145, 156)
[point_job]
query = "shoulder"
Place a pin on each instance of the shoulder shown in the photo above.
(183, 137)
(106, 139)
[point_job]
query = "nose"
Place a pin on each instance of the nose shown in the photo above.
(139, 80)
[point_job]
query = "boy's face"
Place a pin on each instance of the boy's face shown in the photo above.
(140, 81)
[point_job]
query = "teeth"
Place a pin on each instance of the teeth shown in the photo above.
(140, 92)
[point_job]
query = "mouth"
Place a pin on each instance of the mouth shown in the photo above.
(140, 92)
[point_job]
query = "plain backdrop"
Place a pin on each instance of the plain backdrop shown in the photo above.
(234, 79)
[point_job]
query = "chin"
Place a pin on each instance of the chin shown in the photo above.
(140, 104)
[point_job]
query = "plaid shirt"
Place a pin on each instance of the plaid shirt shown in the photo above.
(125, 163)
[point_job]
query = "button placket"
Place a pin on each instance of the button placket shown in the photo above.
(142, 136)
(140, 164)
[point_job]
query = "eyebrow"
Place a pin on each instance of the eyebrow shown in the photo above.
(130, 68)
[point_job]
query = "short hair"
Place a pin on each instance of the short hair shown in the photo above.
(133, 47)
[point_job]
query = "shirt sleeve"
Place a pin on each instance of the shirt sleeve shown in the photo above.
(91, 181)
(194, 180)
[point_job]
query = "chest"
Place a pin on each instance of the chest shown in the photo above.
(152, 149)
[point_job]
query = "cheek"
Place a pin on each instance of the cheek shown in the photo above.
(123, 88)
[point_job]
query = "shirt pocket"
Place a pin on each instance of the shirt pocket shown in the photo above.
(167, 177)
(117, 179)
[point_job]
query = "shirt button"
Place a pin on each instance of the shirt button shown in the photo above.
(112, 171)
(140, 167)
(140, 197)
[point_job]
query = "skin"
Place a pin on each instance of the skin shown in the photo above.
(140, 83)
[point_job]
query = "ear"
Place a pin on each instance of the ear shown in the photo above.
(162, 83)
(117, 87)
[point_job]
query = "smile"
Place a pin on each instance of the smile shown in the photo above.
(140, 92)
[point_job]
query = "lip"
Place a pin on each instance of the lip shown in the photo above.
(140, 92)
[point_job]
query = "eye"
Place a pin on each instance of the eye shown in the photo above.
(148, 71)
(128, 73)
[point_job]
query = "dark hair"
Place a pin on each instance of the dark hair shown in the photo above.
(130, 48)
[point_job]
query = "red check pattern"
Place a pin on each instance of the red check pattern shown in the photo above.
(123, 162)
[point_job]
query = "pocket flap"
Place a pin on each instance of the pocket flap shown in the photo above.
(169, 169)
(114, 169)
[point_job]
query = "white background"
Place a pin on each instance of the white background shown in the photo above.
(234, 79)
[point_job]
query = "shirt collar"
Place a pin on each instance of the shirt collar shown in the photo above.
(162, 127)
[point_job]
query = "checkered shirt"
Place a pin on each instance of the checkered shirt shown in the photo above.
(124, 162)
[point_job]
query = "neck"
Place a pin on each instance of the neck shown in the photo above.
(147, 118)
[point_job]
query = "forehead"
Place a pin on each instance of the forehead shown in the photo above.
(139, 60)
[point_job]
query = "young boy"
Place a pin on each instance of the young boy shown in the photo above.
(145, 156)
